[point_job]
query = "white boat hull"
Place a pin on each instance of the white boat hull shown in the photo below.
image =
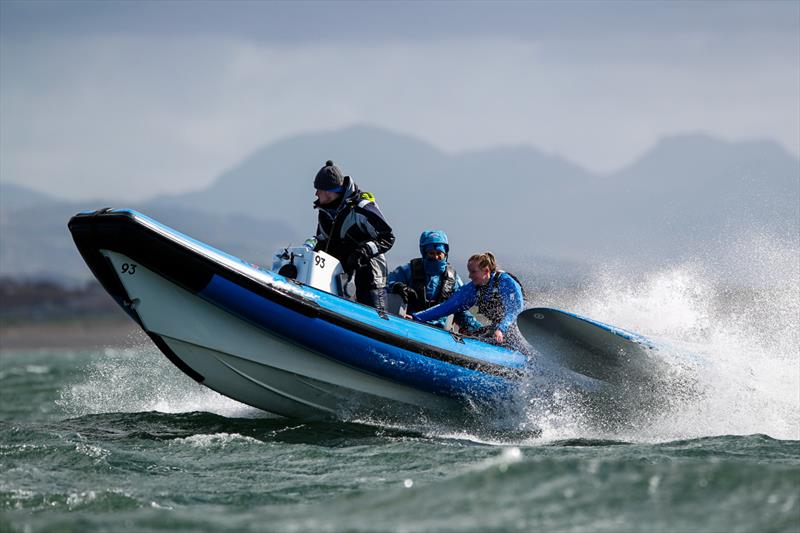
(259, 368)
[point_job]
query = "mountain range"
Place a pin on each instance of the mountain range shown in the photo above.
(688, 195)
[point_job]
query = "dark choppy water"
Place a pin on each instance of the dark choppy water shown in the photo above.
(119, 440)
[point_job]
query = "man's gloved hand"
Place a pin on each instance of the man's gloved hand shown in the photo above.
(404, 291)
(358, 258)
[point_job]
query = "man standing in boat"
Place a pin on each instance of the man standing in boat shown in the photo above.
(430, 280)
(352, 229)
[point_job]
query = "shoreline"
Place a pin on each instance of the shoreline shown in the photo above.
(83, 332)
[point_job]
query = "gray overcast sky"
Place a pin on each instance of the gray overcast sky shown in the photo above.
(129, 99)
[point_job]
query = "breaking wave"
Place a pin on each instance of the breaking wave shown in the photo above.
(736, 316)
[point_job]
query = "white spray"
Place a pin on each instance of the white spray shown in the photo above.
(741, 316)
(140, 379)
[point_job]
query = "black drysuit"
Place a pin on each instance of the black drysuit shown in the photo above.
(354, 231)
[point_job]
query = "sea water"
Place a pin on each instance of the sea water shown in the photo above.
(120, 440)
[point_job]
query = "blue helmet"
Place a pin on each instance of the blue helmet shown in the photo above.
(433, 238)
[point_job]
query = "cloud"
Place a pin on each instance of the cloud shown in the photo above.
(127, 114)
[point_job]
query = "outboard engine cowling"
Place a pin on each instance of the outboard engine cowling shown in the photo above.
(317, 269)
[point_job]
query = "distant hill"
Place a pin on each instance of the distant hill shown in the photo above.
(685, 196)
(479, 198)
(14, 197)
(35, 242)
(22, 300)
(692, 192)
(687, 192)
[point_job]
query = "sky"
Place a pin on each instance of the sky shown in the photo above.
(127, 100)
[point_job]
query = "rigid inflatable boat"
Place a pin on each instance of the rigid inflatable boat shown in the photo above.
(285, 341)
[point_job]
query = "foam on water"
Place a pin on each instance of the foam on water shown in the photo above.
(740, 316)
(215, 441)
(141, 379)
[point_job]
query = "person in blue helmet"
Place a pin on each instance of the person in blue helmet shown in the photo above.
(499, 298)
(429, 280)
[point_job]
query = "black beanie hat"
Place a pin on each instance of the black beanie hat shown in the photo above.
(329, 177)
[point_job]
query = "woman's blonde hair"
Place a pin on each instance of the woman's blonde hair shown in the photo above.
(484, 260)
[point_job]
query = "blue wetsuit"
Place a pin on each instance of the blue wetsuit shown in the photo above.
(404, 275)
(500, 299)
